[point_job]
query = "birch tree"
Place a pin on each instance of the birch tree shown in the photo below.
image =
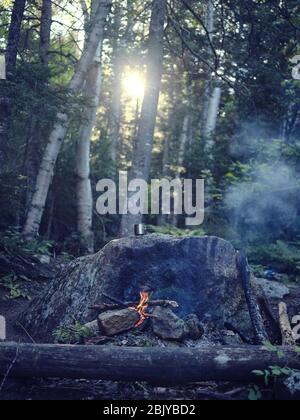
(144, 143)
(92, 88)
(213, 91)
(44, 178)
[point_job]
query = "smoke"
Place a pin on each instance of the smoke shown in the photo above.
(265, 203)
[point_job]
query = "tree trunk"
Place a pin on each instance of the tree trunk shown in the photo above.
(183, 140)
(144, 144)
(45, 31)
(45, 175)
(159, 366)
(84, 188)
(212, 116)
(212, 95)
(11, 59)
(32, 153)
(210, 14)
(115, 109)
(120, 49)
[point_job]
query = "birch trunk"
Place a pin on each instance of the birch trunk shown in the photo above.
(11, 59)
(84, 188)
(212, 117)
(212, 96)
(44, 178)
(144, 144)
(210, 14)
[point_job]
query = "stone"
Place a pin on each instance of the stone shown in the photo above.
(194, 330)
(288, 389)
(229, 338)
(93, 327)
(199, 272)
(271, 289)
(292, 383)
(167, 325)
(116, 322)
(98, 341)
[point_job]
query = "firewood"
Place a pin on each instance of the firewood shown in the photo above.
(261, 335)
(155, 365)
(285, 326)
(116, 322)
(103, 307)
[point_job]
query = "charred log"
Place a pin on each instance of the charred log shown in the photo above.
(261, 335)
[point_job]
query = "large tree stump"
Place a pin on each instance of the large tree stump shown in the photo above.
(200, 273)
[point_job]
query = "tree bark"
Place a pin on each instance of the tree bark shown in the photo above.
(261, 335)
(45, 31)
(84, 187)
(45, 174)
(115, 109)
(285, 326)
(183, 140)
(153, 365)
(212, 95)
(212, 117)
(32, 152)
(144, 144)
(11, 59)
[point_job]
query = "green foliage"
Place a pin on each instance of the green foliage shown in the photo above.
(74, 334)
(254, 393)
(282, 256)
(15, 287)
(174, 231)
(13, 240)
(273, 373)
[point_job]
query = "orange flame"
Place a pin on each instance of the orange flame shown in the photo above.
(142, 307)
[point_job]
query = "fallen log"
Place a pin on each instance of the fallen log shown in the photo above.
(161, 366)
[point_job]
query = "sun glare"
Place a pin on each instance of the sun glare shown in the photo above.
(133, 85)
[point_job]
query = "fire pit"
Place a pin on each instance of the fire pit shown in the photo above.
(200, 273)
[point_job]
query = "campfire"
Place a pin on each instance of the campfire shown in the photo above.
(142, 307)
(117, 317)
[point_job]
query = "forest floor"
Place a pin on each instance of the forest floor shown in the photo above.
(58, 389)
